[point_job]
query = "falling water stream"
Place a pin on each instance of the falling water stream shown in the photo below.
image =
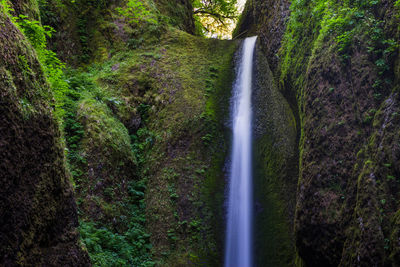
(238, 251)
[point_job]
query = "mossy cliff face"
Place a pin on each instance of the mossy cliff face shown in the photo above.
(38, 222)
(175, 95)
(180, 13)
(340, 62)
(85, 30)
(28, 8)
(186, 180)
(147, 144)
(90, 31)
(275, 177)
(267, 20)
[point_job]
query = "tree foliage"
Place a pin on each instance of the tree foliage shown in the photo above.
(215, 16)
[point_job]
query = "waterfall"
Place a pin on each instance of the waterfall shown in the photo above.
(238, 251)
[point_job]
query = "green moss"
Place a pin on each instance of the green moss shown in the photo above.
(275, 165)
(276, 246)
(96, 30)
(104, 131)
(342, 22)
(178, 14)
(395, 248)
(195, 117)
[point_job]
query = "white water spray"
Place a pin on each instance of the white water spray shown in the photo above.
(238, 251)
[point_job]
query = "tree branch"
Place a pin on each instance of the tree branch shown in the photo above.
(214, 14)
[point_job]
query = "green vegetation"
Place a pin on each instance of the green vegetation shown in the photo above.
(81, 107)
(179, 122)
(215, 17)
(105, 151)
(31, 134)
(131, 248)
(5, 7)
(141, 104)
(96, 138)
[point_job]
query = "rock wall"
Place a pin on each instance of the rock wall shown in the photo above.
(180, 13)
(28, 8)
(38, 218)
(338, 66)
(275, 176)
(147, 145)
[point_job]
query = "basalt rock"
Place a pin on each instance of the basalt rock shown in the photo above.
(38, 219)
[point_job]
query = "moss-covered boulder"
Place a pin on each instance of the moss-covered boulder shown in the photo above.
(38, 220)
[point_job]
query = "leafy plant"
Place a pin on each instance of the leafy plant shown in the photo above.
(141, 142)
(107, 248)
(5, 7)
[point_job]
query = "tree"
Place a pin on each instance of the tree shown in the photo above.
(215, 16)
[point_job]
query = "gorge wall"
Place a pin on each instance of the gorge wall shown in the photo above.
(138, 111)
(338, 66)
(38, 219)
